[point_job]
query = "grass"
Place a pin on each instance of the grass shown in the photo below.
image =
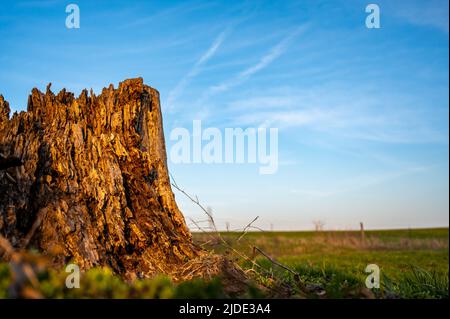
(413, 264)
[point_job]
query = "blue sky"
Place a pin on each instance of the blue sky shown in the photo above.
(362, 113)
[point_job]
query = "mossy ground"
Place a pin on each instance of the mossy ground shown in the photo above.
(413, 264)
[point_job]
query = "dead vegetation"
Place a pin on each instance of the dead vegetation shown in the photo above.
(274, 285)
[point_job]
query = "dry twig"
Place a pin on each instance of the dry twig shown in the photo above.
(244, 232)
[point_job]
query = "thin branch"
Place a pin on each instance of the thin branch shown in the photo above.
(274, 261)
(26, 240)
(195, 201)
(246, 228)
(251, 260)
(258, 228)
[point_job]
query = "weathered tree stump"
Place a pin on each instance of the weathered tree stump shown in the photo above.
(85, 180)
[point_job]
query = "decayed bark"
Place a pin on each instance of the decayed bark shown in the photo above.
(85, 179)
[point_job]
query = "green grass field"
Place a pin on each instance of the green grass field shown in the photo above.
(413, 263)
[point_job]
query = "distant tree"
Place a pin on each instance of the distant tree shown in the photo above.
(211, 220)
(363, 234)
(318, 225)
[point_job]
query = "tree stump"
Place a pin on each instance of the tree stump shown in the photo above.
(89, 181)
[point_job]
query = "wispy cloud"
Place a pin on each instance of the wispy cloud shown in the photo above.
(384, 118)
(347, 124)
(37, 4)
(264, 102)
(432, 13)
(167, 13)
(361, 182)
(196, 69)
(274, 53)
